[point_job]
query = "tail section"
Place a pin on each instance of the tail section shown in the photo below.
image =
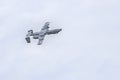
(28, 39)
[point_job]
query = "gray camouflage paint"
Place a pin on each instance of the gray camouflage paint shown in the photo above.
(40, 35)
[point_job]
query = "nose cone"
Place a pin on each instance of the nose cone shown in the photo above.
(60, 30)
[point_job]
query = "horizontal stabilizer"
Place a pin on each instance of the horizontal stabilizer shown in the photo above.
(27, 39)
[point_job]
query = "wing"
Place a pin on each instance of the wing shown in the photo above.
(46, 26)
(55, 31)
(40, 39)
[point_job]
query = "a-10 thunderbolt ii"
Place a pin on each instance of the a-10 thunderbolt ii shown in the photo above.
(41, 34)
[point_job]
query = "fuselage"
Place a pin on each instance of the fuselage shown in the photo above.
(41, 34)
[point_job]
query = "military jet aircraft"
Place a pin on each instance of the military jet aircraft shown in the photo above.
(40, 35)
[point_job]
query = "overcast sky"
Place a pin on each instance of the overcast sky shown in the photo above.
(88, 48)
